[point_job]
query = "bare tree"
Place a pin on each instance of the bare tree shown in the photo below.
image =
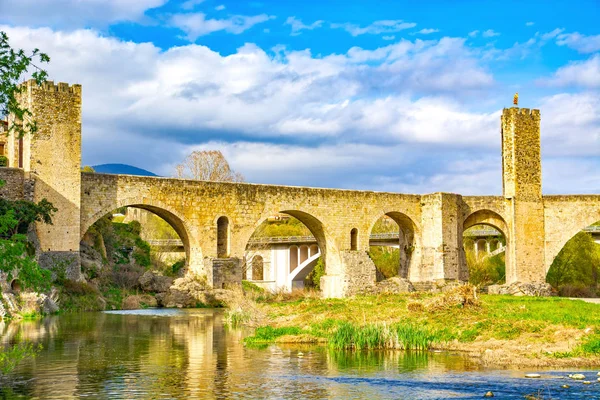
(207, 165)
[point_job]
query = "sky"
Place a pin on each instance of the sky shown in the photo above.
(380, 95)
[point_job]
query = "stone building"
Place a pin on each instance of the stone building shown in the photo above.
(215, 220)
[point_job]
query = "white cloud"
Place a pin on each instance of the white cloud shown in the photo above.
(220, 7)
(298, 26)
(489, 33)
(577, 73)
(550, 35)
(196, 24)
(74, 13)
(427, 31)
(191, 4)
(581, 43)
(377, 27)
(473, 33)
(529, 23)
(390, 37)
(403, 117)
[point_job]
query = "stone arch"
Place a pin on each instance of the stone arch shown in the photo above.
(15, 286)
(223, 237)
(316, 227)
(409, 241)
(193, 252)
(354, 239)
(558, 234)
(258, 268)
(496, 221)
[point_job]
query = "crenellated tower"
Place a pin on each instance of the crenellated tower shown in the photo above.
(522, 190)
(51, 158)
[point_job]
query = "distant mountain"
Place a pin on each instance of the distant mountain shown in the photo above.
(122, 169)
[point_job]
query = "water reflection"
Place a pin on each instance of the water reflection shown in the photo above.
(181, 354)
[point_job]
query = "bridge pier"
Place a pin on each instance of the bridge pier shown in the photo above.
(443, 257)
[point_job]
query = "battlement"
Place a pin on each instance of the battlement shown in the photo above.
(49, 86)
(512, 111)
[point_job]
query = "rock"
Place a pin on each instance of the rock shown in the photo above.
(587, 382)
(489, 394)
(150, 282)
(565, 386)
(577, 376)
(136, 302)
(523, 289)
(394, 285)
(47, 304)
(533, 376)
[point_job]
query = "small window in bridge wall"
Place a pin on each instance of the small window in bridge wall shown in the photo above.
(354, 239)
(258, 269)
(222, 237)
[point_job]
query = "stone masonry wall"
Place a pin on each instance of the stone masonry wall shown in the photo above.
(13, 183)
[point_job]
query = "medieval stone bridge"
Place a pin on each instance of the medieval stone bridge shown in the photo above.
(216, 220)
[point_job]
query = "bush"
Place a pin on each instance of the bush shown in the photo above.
(3, 161)
(386, 260)
(313, 280)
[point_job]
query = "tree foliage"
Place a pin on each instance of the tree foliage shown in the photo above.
(208, 165)
(577, 263)
(14, 64)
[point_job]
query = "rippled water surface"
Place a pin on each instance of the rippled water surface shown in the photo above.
(184, 354)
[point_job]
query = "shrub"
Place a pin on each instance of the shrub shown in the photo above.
(3, 161)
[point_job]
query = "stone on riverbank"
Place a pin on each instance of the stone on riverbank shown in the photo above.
(151, 282)
(523, 289)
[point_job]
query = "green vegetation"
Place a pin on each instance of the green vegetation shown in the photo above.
(268, 334)
(534, 330)
(87, 168)
(313, 280)
(3, 161)
(386, 260)
(16, 253)
(484, 271)
(9, 359)
(575, 270)
(286, 227)
(13, 65)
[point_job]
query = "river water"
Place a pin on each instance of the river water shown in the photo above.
(187, 354)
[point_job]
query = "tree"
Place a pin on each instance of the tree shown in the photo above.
(208, 165)
(13, 65)
(577, 263)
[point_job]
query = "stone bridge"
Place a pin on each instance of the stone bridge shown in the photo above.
(216, 220)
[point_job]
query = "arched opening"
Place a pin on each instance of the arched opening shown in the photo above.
(15, 286)
(125, 243)
(257, 268)
(223, 237)
(354, 239)
(484, 244)
(392, 246)
(292, 245)
(575, 271)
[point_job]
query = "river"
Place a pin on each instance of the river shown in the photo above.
(186, 354)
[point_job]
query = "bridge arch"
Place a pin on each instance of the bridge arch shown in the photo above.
(409, 242)
(492, 219)
(560, 230)
(193, 251)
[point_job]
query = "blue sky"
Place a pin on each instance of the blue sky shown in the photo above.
(377, 95)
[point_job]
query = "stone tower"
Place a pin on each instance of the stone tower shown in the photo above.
(522, 190)
(51, 158)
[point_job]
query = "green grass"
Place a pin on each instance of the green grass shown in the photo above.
(268, 334)
(385, 321)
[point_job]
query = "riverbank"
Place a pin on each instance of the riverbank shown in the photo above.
(495, 330)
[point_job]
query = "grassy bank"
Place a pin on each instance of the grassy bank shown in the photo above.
(499, 330)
